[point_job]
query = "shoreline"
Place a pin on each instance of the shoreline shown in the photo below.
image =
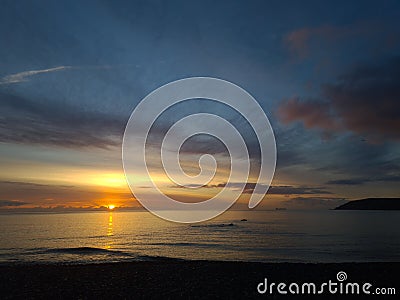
(173, 279)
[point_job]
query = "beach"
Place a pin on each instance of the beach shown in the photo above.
(171, 279)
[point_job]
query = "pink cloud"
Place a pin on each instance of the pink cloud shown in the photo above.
(301, 41)
(365, 101)
(313, 114)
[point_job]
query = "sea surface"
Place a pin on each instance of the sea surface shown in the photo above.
(267, 236)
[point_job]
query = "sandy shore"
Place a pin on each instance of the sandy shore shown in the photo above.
(180, 279)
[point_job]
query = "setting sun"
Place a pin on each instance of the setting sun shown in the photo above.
(111, 207)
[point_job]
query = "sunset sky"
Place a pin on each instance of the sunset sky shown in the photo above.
(327, 75)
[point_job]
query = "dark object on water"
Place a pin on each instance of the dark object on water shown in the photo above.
(372, 204)
(243, 220)
(280, 208)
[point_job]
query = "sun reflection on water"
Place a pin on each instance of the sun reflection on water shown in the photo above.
(110, 230)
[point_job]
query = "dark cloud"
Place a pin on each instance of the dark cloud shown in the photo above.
(34, 192)
(287, 190)
(273, 190)
(355, 181)
(348, 160)
(358, 181)
(305, 41)
(206, 186)
(313, 114)
(288, 157)
(365, 101)
(202, 143)
(299, 40)
(50, 194)
(21, 185)
(315, 202)
(4, 203)
(56, 123)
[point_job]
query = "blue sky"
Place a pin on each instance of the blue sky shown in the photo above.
(326, 74)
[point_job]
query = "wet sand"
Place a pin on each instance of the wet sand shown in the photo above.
(172, 279)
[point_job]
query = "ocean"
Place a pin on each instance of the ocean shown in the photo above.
(266, 236)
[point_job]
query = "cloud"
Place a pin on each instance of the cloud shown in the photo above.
(21, 184)
(365, 101)
(298, 41)
(202, 143)
(59, 194)
(287, 190)
(315, 202)
(28, 121)
(302, 42)
(292, 190)
(311, 113)
(23, 76)
(348, 157)
(273, 190)
(362, 180)
(4, 203)
(354, 181)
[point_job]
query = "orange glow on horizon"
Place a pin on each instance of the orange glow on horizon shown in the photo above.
(113, 180)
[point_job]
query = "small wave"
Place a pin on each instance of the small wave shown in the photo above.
(158, 258)
(83, 250)
(187, 244)
(214, 225)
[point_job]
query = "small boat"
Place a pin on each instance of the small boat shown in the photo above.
(280, 208)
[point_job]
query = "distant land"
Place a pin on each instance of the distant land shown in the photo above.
(372, 204)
